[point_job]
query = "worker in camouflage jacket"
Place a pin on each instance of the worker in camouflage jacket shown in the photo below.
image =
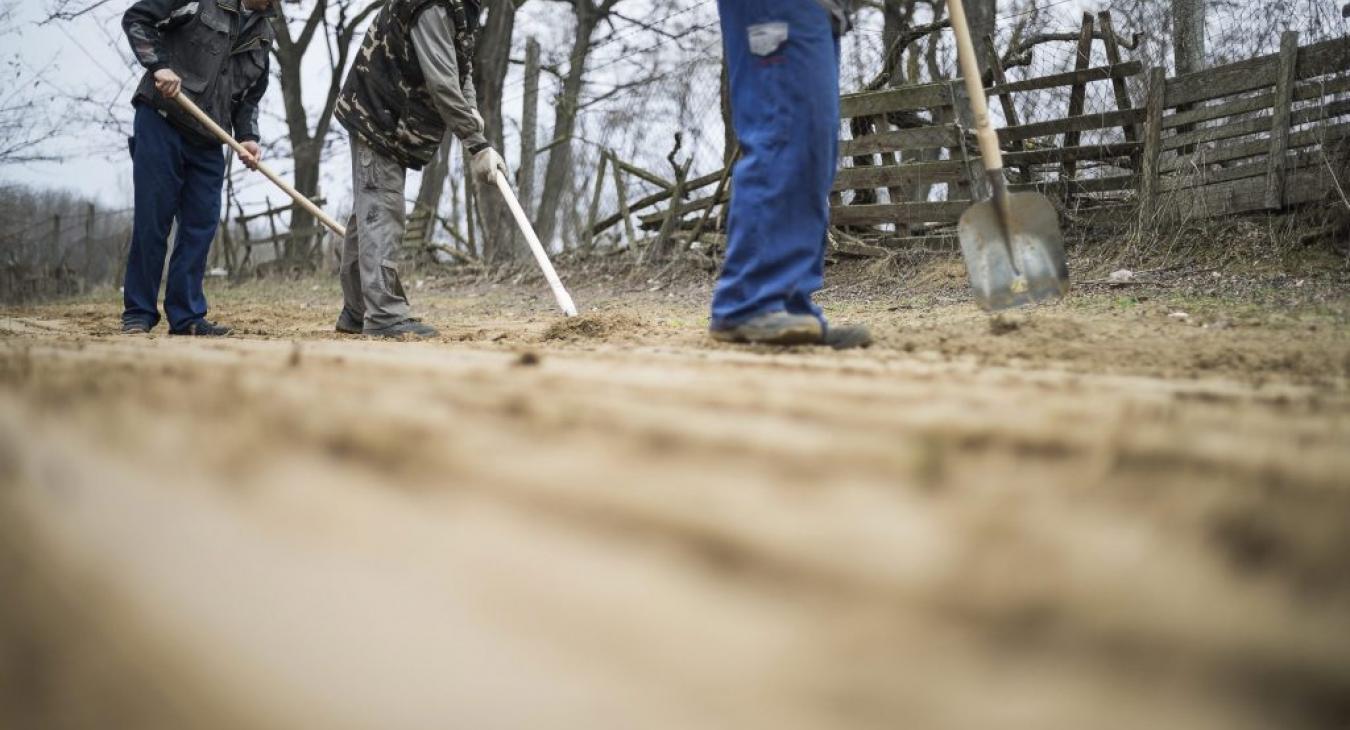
(782, 60)
(411, 81)
(215, 52)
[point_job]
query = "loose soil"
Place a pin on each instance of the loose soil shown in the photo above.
(1131, 509)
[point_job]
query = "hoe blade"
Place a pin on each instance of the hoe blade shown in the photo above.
(1018, 261)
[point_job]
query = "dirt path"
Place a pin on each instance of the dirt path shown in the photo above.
(1094, 516)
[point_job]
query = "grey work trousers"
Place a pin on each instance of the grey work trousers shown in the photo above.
(372, 294)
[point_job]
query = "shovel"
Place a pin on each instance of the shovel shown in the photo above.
(564, 300)
(1013, 248)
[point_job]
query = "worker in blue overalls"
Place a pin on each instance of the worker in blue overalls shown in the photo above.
(783, 61)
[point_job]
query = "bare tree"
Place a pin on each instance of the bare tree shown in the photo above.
(1188, 35)
(589, 15)
(27, 118)
(307, 142)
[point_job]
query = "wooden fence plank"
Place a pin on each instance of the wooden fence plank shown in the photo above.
(1207, 175)
(709, 201)
(1109, 184)
(909, 173)
(1229, 130)
(1095, 152)
(1229, 153)
(901, 98)
(1256, 73)
(1078, 92)
(638, 172)
(1308, 185)
(1124, 70)
(1323, 58)
(657, 197)
(621, 190)
(900, 139)
(1005, 100)
(594, 210)
(898, 213)
(1215, 83)
(1103, 120)
(1118, 85)
(1279, 132)
(1148, 175)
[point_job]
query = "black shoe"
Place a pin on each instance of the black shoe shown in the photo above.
(848, 336)
(408, 327)
(773, 328)
(135, 327)
(348, 324)
(202, 328)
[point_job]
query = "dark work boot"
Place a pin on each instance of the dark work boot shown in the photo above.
(773, 328)
(348, 324)
(135, 327)
(848, 336)
(202, 328)
(408, 327)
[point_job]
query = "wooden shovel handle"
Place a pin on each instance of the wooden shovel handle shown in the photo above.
(234, 144)
(979, 106)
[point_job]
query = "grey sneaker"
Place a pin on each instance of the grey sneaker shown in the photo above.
(408, 327)
(774, 328)
(348, 324)
(848, 336)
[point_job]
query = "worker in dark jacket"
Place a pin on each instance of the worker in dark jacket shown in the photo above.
(411, 81)
(216, 52)
(783, 63)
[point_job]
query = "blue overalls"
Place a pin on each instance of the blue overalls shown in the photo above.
(174, 177)
(783, 61)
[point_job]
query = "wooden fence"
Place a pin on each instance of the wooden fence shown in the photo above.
(1202, 144)
(1262, 134)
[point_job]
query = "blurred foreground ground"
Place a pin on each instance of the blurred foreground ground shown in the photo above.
(1101, 514)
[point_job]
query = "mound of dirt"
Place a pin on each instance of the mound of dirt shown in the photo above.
(592, 326)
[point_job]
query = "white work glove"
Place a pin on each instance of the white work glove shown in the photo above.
(485, 165)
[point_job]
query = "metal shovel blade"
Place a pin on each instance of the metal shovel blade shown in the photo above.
(1019, 263)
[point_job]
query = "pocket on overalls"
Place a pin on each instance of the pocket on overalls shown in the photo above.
(771, 113)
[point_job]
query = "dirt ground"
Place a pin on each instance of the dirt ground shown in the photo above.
(1131, 509)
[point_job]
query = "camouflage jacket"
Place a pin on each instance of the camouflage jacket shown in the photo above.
(386, 99)
(221, 57)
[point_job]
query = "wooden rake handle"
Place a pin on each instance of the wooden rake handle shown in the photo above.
(267, 172)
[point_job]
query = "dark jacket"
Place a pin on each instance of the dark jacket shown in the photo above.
(222, 59)
(386, 101)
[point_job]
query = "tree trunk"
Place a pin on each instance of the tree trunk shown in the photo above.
(499, 239)
(560, 159)
(1188, 35)
(980, 14)
(304, 149)
(428, 203)
(529, 128)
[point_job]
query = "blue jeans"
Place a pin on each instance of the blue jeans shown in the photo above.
(783, 61)
(174, 179)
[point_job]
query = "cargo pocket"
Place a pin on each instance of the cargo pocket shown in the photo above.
(392, 284)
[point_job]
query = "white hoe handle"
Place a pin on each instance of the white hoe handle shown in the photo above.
(559, 293)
